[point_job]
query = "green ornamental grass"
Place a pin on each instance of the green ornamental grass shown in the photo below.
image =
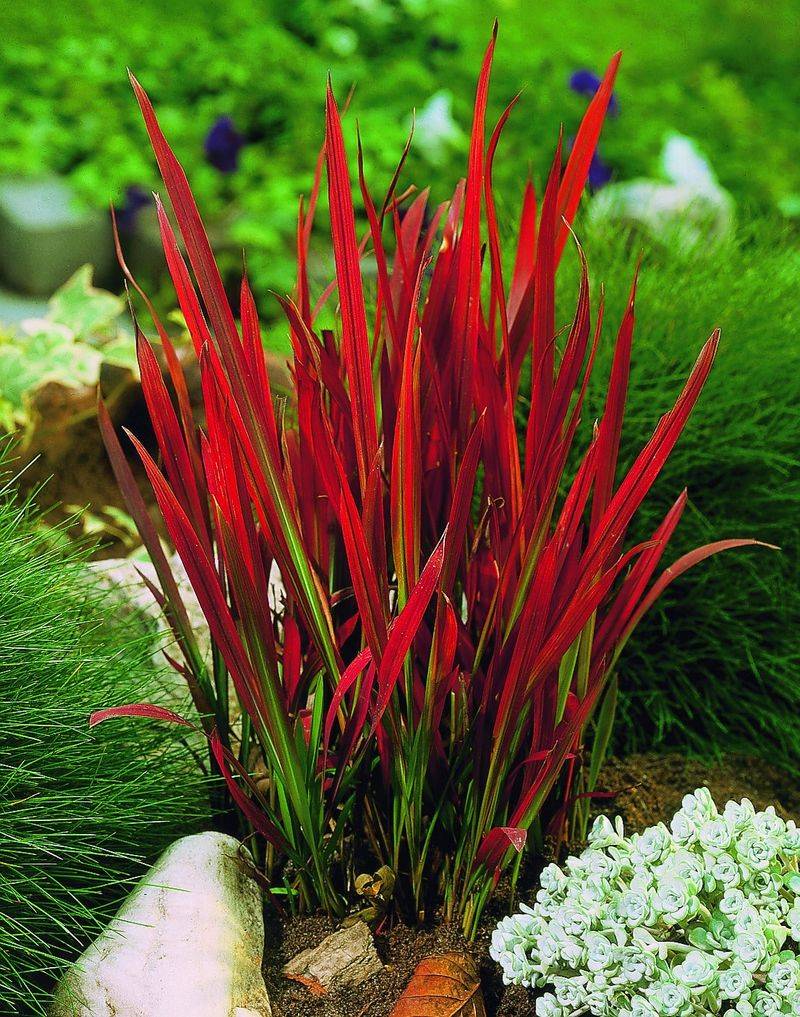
(715, 666)
(80, 812)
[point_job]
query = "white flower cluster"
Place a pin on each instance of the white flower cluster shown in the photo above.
(700, 918)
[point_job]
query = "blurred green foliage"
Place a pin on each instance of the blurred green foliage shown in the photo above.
(67, 348)
(723, 71)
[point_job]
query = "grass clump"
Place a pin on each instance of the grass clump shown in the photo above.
(715, 666)
(80, 812)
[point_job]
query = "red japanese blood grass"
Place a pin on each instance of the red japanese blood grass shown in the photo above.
(424, 691)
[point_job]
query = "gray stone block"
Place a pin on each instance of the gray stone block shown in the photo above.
(46, 234)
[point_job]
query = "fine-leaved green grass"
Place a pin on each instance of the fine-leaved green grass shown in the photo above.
(80, 811)
(716, 665)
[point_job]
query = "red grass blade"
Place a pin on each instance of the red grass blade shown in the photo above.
(355, 340)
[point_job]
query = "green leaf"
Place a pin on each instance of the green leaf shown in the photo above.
(50, 355)
(82, 308)
(602, 733)
(699, 937)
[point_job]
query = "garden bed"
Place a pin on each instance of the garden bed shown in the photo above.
(654, 786)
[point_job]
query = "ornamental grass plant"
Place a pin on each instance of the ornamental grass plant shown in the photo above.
(438, 679)
(714, 667)
(81, 812)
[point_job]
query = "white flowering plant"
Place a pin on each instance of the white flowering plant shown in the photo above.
(702, 917)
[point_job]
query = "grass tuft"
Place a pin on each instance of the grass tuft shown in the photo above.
(80, 811)
(715, 666)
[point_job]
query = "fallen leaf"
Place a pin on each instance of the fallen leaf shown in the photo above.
(443, 986)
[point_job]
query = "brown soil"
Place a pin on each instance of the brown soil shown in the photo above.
(650, 789)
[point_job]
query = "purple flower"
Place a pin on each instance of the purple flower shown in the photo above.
(600, 172)
(586, 82)
(222, 145)
(126, 214)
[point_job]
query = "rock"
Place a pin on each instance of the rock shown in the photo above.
(122, 577)
(46, 234)
(189, 940)
(685, 210)
(342, 960)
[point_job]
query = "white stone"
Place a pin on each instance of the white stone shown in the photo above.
(688, 209)
(671, 213)
(123, 578)
(188, 941)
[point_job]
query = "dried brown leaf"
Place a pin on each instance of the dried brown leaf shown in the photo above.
(443, 986)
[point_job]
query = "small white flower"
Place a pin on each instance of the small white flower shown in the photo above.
(755, 851)
(684, 829)
(763, 888)
(769, 824)
(684, 864)
(572, 952)
(553, 879)
(633, 909)
(700, 805)
(569, 992)
(747, 919)
(593, 895)
(652, 845)
(635, 966)
(674, 901)
(783, 977)
(600, 952)
(640, 1007)
(750, 949)
(740, 815)
(790, 842)
(724, 870)
(671, 1000)
(570, 921)
(603, 833)
(715, 835)
(732, 902)
(765, 1004)
(548, 949)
